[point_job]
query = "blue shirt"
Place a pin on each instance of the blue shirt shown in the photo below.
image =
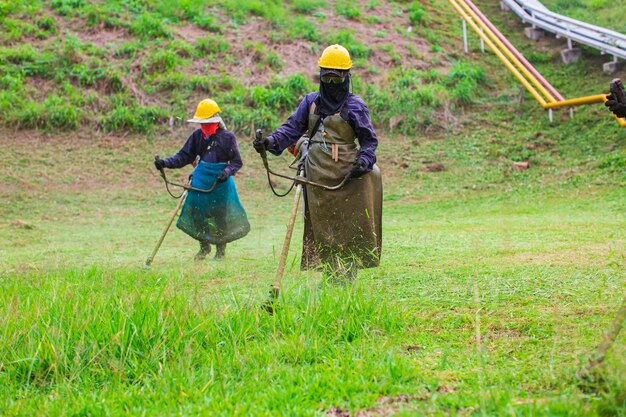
(222, 148)
(358, 118)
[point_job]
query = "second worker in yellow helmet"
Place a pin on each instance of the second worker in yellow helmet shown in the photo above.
(342, 228)
(217, 217)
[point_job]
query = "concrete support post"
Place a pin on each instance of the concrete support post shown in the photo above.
(534, 34)
(613, 66)
(570, 55)
(550, 117)
(482, 42)
(465, 49)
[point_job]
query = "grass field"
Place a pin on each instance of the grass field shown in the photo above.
(598, 12)
(495, 285)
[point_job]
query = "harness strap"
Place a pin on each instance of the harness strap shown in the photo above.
(316, 126)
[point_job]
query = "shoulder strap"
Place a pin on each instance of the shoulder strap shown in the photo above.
(316, 126)
(204, 146)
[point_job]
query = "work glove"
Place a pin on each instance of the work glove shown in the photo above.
(261, 144)
(222, 177)
(358, 169)
(617, 108)
(159, 164)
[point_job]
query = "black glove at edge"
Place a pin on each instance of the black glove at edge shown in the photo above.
(358, 169)
(159, 164)
(261, 145)
(222, 177)
(618, 109)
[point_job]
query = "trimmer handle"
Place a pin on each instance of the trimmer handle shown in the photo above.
(258, 137)
(158, 158)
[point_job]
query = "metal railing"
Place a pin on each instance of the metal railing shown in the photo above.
(605, 40)
(545, 94)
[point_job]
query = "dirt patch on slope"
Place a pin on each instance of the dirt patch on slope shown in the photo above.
(101, 37)
(391, 42)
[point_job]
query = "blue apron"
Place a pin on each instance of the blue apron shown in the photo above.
(217, 217)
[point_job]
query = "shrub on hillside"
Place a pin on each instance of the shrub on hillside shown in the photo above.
(409, 99)
(67, 7)
(207, 22)
(212, 44)
(348, 9)
(349, 40)
(124, 116)
(162, 60)
(464, 79)
(416, 13)
(54, 113)
(148, 26)
(307, 6)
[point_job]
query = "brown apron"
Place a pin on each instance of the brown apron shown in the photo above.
(342, 225)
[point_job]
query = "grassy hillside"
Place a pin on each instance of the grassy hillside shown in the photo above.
(126, 65)
(609, 14)
(495, 285)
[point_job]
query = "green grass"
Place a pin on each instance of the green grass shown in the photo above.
(604, 13)
(51, 40)
(495, 285)
(532, 261)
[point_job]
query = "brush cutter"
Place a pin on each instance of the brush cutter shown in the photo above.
(298, 181)
(185, 187)
(590, 372)
(275, 290)
(181, 199)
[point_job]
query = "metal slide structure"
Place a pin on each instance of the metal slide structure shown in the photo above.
(545, 94)
(604, 40)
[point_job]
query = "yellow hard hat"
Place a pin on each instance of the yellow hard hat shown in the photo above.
(207, 111)
(335, 57)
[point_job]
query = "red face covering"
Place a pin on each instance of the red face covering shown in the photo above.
(209, 129)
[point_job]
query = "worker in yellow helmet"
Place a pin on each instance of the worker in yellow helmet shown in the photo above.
(342, 228)
(217, 217)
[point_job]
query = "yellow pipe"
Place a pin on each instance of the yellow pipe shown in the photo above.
(508, 53)
(620, 120)
(598, 98)
(503, 58)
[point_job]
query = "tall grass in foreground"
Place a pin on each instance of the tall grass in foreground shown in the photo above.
(125, 341)
(93, 329)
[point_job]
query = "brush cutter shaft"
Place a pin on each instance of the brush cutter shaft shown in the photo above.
(167, 228)
(283, 255)
(609, 338)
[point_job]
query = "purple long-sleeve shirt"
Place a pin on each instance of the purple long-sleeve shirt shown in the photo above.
(223, 149)
(358, 117)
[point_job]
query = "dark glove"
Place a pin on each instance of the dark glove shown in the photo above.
(261, 144)
(222, 177)
(159, 164)
(358, 169)
(617, 108)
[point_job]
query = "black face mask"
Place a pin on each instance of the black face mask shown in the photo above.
(333, 96)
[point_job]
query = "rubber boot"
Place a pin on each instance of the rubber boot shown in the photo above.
(205, 249)
(221, 250)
